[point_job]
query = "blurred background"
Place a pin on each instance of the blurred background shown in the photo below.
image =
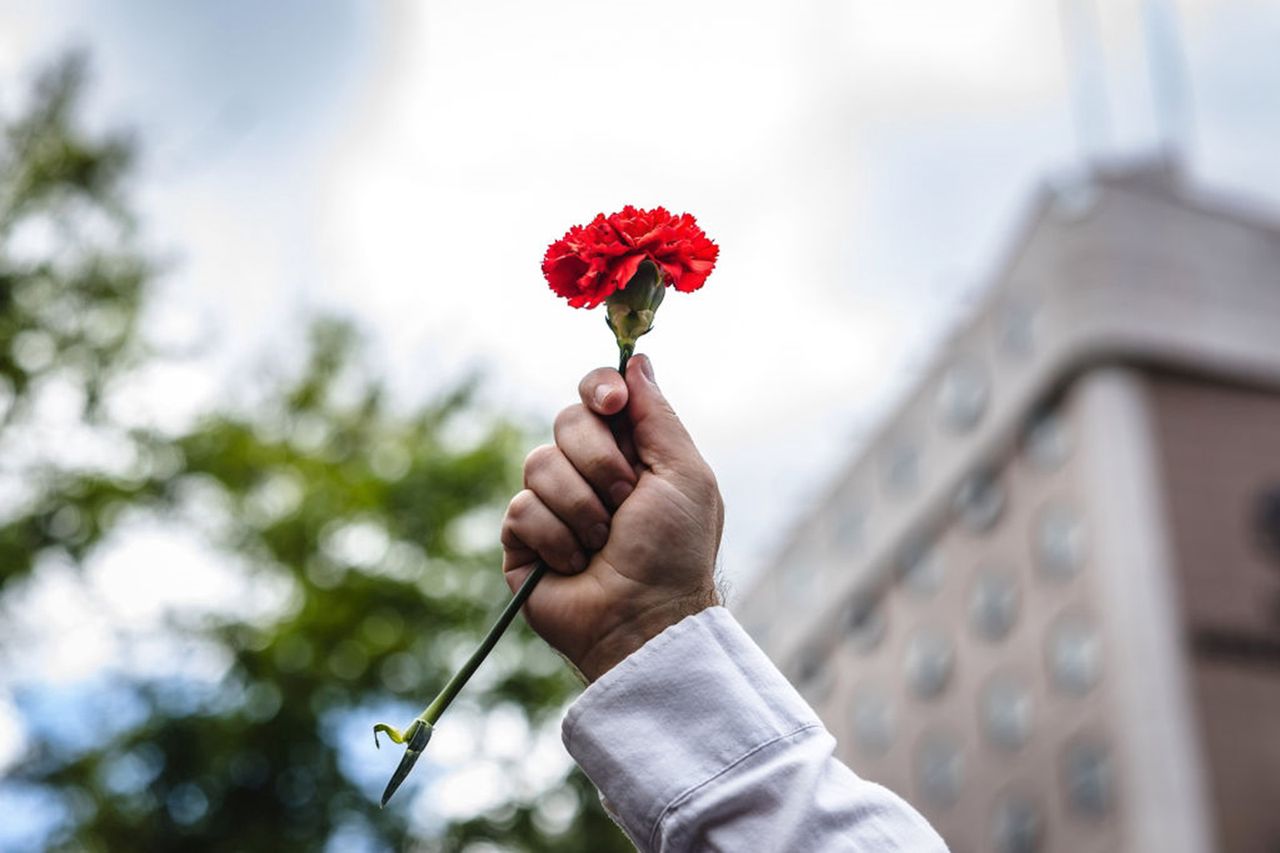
(274, 341)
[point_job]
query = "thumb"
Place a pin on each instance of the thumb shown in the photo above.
(661, 440)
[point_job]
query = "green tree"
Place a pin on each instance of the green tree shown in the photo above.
(350, 508)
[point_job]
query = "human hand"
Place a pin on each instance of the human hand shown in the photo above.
(625, 512)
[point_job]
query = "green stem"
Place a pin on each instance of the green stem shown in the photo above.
(462, 676)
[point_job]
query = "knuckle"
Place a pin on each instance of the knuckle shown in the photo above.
(539, 457)
(610, 465)
(709, 477)
(521, 505)
(507, 536)
(568, 417)
(585, 508)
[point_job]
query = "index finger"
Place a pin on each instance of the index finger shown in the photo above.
(603, 391)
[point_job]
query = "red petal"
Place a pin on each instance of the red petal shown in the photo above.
(624, 270)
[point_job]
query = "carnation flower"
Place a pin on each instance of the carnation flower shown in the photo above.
(593, 261)
(627, 260)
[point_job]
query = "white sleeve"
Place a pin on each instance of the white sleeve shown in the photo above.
(697, 742)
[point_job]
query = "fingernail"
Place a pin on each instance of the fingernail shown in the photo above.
(579, 561)
(602, 395)
(597, 536)
(620, 491)
(646, 367)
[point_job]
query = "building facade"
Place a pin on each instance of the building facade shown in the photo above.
(1043, 603)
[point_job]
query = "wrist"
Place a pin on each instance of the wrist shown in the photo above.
(627, 637)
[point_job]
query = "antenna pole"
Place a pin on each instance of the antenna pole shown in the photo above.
(1169, 84)
(1086, 72)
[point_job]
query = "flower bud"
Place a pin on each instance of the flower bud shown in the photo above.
(630, 311)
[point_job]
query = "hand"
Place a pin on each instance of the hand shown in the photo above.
(627, 515)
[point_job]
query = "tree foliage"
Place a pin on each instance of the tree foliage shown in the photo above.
(344, 515)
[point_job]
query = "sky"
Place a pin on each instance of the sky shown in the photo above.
(862, 165)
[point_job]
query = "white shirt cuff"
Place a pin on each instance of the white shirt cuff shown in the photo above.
(646, 732)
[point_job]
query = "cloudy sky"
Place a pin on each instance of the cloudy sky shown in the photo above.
(861, 164)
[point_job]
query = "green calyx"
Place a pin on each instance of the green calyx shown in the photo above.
(630, 311)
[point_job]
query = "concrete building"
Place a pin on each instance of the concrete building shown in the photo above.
(1043, 603)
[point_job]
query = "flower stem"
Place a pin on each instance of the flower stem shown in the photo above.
(417, 733)
(462, 676)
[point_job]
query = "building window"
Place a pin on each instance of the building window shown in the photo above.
(979, 502)
(962, 396)
(1059, 542)
(865, 625)
(901, 469)
(929, 661)
(1047, 442)
(920, 569)
(939, 770)
(1016, 329)
(993, 604)
(1087, 778)
(1016, 825)
(1075, 655)
(1005, 708)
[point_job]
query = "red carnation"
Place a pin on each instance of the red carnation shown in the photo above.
(592, 261)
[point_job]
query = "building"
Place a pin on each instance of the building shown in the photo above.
(1043, 603)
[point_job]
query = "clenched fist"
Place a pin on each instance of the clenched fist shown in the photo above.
(625, 512)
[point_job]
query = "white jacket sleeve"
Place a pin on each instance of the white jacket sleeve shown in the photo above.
(697, 742)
